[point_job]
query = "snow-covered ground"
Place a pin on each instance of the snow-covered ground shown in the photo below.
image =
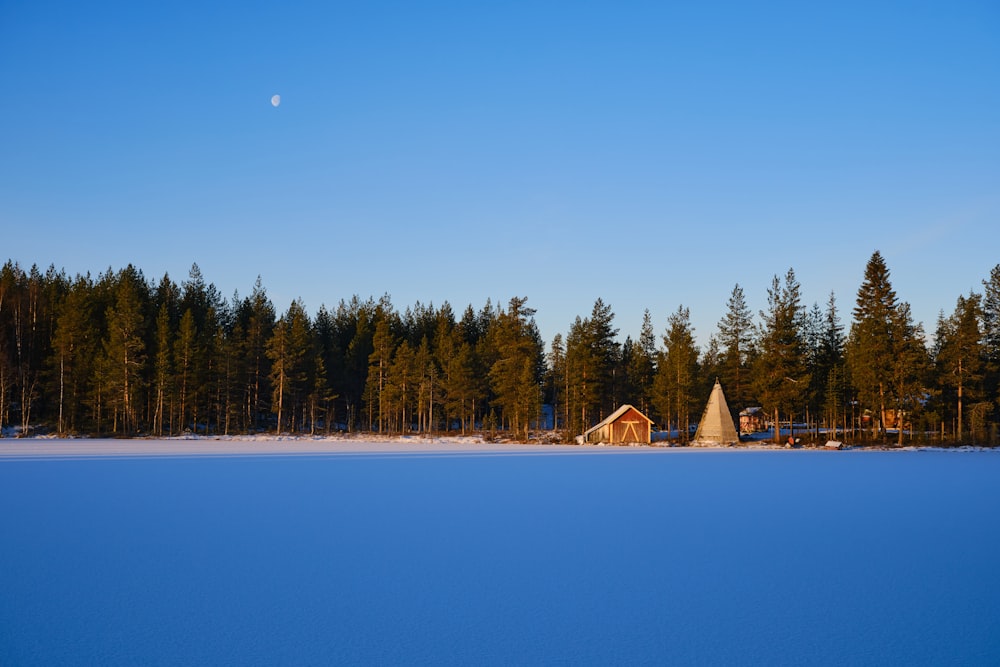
(278, 445)
(443, 551)
(250, 445)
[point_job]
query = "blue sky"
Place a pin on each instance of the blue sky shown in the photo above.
(650, 154)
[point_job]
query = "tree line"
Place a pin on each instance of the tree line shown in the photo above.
(125, 356)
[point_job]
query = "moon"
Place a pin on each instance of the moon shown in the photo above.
(275, 100)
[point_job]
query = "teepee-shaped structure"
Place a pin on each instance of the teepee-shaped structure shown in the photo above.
(716, 426)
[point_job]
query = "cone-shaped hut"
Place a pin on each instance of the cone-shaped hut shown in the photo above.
(716, 426)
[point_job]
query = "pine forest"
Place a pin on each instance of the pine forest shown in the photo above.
(124, 356)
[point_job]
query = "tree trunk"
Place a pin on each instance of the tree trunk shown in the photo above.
(62, 392)
(281, 397)
(881, 399)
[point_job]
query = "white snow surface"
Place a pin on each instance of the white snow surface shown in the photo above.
(355, 444)
(290, 445)
(449, 550)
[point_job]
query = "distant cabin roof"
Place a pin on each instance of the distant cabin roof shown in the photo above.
(615, 415)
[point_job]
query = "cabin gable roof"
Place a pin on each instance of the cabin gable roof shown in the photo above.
(615, 416)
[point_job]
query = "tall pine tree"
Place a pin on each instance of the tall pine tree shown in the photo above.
(516, 372)
(960, 357)
(885, 352)
(125, 350)
(781, 379)
(678, 372)
(736, 339)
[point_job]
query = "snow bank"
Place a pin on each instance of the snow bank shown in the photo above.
(354, 444)
(253, 445)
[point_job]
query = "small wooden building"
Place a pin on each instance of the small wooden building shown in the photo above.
(624, 425)
(753, 420)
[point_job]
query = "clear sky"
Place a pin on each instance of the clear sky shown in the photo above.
(652, 154)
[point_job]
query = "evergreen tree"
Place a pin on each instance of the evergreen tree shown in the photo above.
(356, 322)
(221, 378)
(582, 397)
(383, 348)
(329, 365)
(34, 338)
(960, 357)
(321, 397)
(556, 382)
(736, 339)
(603, 338)
(162, 371)
(836, 399)
(514, 375)
(710, 366)
(592, 359)
(468, 326)
(25, 341)
(829, 364)
(885, 351)
(194, 295)
(678, 372)
(465, 386)
(991, 337)
(662, 397)
(8, 293)
(124, 350)
(479, 363)
(187, 356)
(302, 356)
(289, 350)
(832, 340)
(870, 346)
(73, 352)
(781, 379)
(428, 388)
(209, 314)
(910, 367)
(255, 318)
(644, 368)
(624, 386)
(639, 365)
(400, 399)
(813, 338)
(166, 300)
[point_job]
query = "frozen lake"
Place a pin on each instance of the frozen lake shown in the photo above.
(688, 557)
